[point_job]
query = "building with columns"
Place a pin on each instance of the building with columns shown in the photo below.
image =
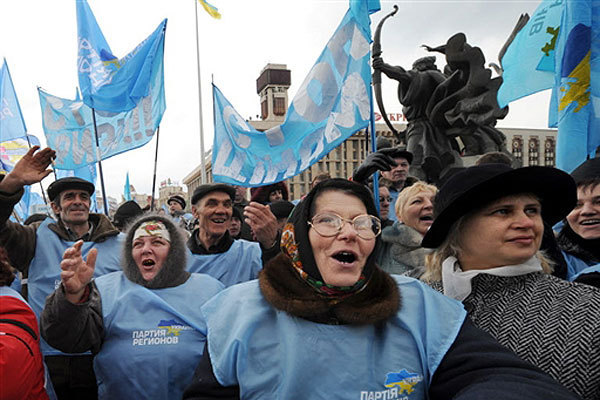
(530, 146)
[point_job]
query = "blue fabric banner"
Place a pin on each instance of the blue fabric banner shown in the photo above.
(575, 107)
(332, 103)
(11, 152)
(12, 124)
(87, 172)
(108, 83)
(528, 63)
(69, 126)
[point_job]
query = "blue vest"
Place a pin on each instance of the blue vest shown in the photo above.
(588, 270)
(153, 338)
(575, 266)
(271, 354)
(241, 263)
(44, 269)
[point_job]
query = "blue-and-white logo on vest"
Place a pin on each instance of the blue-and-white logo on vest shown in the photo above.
(168, 332)
(399, 384)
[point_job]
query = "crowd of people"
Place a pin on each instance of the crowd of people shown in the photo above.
(484, 284)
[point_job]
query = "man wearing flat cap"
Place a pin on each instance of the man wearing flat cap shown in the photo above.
(36, 250)
(393, 164)
(214, 251)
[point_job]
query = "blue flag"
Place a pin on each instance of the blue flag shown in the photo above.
(108, 83)
(87, 172)
(12, 124)
(333, 102)
(69, 127)
(127, 189)
(11, 151)
(575, 106)
(528, 63)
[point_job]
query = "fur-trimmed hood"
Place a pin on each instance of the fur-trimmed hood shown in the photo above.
(173, 271)
(282, 287)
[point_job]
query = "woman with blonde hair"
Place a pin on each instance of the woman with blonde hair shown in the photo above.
(401, 251)
(487, 233)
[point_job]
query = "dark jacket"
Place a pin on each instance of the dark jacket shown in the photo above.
(475, 367)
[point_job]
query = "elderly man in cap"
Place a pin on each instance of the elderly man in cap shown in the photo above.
(214, 251)
(36, 250)
(393, 162)
(177, 205)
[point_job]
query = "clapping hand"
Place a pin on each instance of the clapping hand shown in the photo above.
(77, 272)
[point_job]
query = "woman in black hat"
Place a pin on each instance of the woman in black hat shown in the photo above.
(579, 239)
(487, 232)
(323, 321)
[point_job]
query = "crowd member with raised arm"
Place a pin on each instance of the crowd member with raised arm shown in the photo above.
(36, 251)
(142, 323)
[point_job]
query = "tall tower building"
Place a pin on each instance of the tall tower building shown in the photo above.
(272, 86)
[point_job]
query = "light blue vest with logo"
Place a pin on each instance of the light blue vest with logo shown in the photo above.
(153, 338)
(44, 269)
(241, 263)
(271, 354)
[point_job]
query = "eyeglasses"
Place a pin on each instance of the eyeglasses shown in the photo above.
(388, 199)
(329, 224)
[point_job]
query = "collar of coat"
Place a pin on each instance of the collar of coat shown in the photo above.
(102, 229)
(285, 290)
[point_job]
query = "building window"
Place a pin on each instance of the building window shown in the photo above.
(279, 106)
(549, 152)
(264, 109)
(517, 148)
(534, 151)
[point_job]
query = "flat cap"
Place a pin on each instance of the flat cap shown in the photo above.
(207, 188)
(70, 182)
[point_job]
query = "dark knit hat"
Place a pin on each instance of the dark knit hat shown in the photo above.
(71, 182)
(261, 194)
(281, 209)
(178, 199)
(474, 187)
(587, 171)
(126, 213)
(207, 188)
(237, 213)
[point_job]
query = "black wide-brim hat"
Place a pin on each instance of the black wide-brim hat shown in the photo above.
(71, 182)
(475, 187)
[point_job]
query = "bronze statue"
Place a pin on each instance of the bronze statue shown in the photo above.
(451, 113)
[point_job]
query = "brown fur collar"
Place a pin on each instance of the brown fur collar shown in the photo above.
(285, 290)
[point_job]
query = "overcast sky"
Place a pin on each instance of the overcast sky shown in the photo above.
(39, 43)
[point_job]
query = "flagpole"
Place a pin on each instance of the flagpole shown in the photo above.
(100, 163)
(202, 166)
(155, 164)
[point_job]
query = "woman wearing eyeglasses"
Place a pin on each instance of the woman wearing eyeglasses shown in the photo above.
(401, 252)
(324, 322)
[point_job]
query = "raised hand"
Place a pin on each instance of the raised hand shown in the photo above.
(381, 160)
(262, 222)
(32, 168)
(77, 272)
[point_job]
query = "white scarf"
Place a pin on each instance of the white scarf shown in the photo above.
(457, 283)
